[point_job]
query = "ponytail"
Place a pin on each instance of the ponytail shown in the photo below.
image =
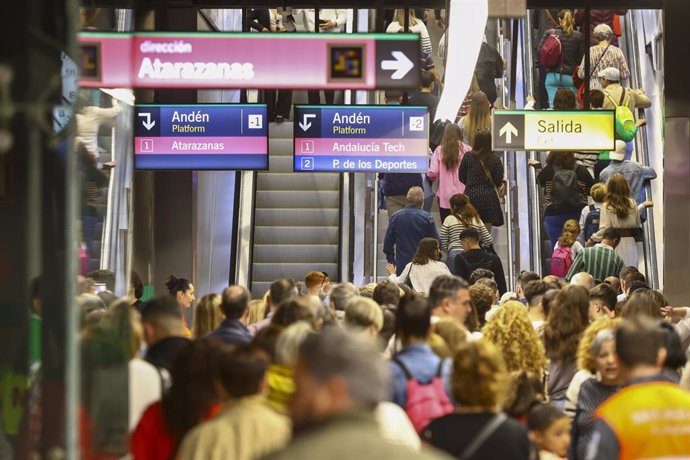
(566, 20)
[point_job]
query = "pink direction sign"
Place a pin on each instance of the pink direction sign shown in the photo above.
(236, 60)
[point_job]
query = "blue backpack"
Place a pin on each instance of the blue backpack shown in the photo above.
(591, 222)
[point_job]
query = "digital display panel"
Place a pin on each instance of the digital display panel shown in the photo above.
(354, 138)
(201, 137)
(237, 60)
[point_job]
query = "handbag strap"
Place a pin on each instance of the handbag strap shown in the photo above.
(481, 437)
(486, 173)
(600, 58)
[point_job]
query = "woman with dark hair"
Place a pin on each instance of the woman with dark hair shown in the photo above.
(479, 386)
(642, 302)
(621, 211)
(676, 357)
(444, 166)
(136, 291)
(481, 171)
(424, 268)
(183, 290)
(566, 187)
(462, 216)
(567, 320)
(191, 399)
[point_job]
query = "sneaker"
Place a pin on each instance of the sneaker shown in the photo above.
(280, 118)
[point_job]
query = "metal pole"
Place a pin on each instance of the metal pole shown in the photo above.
(509, 218)
(532, 189)
(375, 238)
(641, 151)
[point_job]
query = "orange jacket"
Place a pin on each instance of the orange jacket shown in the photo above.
(651, 420)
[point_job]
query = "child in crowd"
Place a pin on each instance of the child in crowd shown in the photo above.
(589, 219)
(566, 248)
(549, 429)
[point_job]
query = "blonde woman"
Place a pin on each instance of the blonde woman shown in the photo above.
(207, 316)
(416, 27)
(572, 50)
(511, 330)
(477, 119)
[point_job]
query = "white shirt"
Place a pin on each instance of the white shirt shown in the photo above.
(421, 276)
(305, 19)
(395, 426)
(88, 121)
(144, 389)
(418, 28)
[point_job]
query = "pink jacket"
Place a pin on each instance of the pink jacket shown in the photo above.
(448, 182)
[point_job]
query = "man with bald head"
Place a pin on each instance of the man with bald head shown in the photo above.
(406, 229)
(235, 306)
(583, 279)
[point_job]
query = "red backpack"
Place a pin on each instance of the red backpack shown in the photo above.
(551, 52)
(425, 402)
(561, 261)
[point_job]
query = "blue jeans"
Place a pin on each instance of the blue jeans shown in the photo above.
(554, 226)
(450, 261)
(554, 81)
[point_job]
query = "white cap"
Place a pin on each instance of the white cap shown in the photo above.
(610, 73)
(619, 153)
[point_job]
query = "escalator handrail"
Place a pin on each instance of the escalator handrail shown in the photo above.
(641, 143)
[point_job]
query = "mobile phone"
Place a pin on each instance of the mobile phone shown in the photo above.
(99, 287)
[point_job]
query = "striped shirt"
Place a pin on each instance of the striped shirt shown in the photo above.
(452, 228)
(599, 261)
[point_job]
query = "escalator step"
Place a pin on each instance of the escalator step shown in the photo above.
(298, 218)
(293, 235)
(297, 199)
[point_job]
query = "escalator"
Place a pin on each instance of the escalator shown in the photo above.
(296, 225)
(540, 247)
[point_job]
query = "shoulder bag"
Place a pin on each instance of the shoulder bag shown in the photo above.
(500, 190)
(483, 435)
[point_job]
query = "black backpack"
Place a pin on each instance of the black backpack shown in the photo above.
(564, 189)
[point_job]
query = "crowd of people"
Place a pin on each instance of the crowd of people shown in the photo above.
(439, 360)
(318, 369)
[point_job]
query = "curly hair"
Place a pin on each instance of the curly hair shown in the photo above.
(427, 250)
(585, 359)
(479, 375)
(566, 322)
(571, 230)
(512, 332)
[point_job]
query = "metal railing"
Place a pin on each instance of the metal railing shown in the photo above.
(641, 143)
(532, 188)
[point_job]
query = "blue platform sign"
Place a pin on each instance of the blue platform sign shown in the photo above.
(201, 137)
(358, 138)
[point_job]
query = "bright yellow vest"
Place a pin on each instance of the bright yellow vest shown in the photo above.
(651, 420)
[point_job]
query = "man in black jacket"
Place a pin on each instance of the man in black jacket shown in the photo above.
(163, 330)
(475, 257)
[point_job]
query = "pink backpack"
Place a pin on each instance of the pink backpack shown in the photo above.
(425, 402)
(561, 261)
